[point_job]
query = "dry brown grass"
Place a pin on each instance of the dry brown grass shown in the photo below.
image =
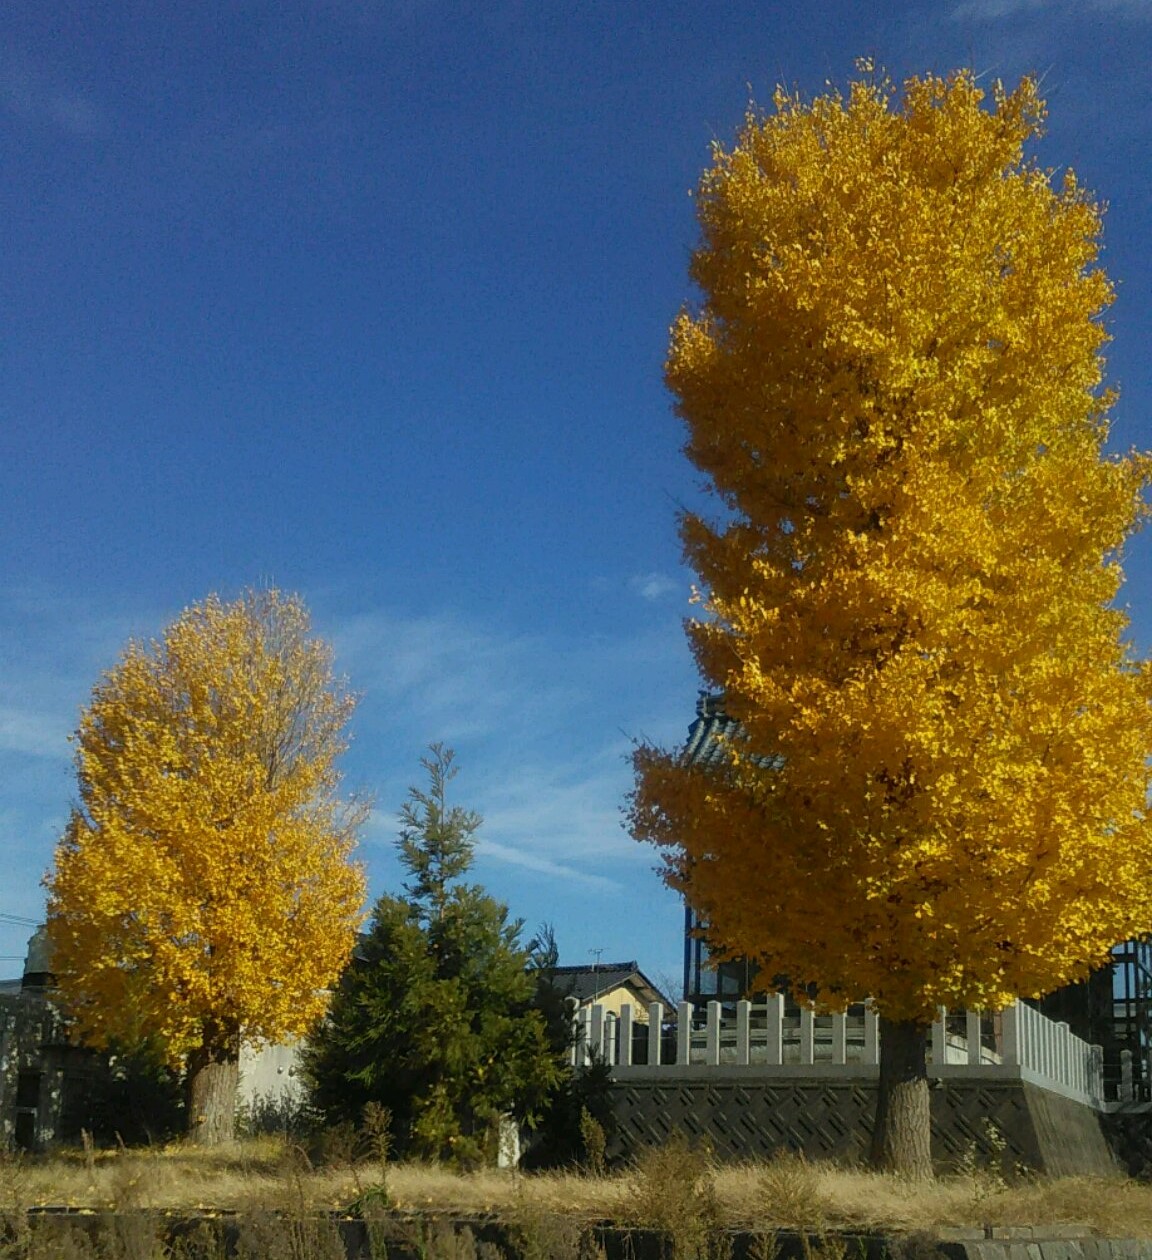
(788, 1192)
(815, 1196)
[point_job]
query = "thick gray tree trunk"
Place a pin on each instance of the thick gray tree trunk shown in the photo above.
(213, 1077)
(902, 1138)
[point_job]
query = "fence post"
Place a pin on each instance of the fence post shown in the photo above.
(1096, 1068)
(624, 1054)
(940, 1038)
(712, 1035)
(972, 1026)
(743, 1032)
(684, 1034)
(580, 1042)
(1125, 1075)
(1010, 1047)
(596, 1032)
(655, 1032)
(775, 1014)
(807, 1036)
(1064, 1045)
(871, 1036)
(839, 1037)
(1047, 1039)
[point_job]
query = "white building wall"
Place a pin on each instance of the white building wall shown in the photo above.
(270, 1074)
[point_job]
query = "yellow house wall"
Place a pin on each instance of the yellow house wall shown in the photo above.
(614, 999)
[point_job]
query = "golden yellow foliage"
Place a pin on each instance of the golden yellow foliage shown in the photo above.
(204, 892)
(893, 386)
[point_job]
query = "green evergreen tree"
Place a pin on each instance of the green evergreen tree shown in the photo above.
(435, 1017)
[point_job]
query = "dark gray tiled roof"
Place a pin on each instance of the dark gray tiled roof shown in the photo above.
(587, 981)
(707, 732)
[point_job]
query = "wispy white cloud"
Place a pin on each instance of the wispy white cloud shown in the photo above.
(32, 734)
(653, 586)
(542, 727)
(569, 807)
(42, 97)
(546, 866)
(455, 679)
(993, 10)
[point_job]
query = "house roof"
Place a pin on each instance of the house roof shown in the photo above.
(589, 981)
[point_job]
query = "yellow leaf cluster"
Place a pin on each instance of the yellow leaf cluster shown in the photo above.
(204, 890)
(893, 387)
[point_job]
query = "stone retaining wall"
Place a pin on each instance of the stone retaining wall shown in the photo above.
(1036, 1243)
(436, 1236)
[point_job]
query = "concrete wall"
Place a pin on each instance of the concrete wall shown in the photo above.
(832, 1118)
(270, 1074)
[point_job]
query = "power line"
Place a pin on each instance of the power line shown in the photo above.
(19, 918)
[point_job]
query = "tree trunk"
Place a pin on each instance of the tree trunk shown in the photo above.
(902, 1138)
(213, 1075)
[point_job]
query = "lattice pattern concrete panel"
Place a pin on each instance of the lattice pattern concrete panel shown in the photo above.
(970, 1120)
(1011, 1121)
(747, 1121)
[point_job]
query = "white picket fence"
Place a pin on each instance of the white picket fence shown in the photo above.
(762, 1038)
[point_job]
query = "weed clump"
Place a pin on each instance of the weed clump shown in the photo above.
(675, 1196)
(791, 1194)
(595, 1143)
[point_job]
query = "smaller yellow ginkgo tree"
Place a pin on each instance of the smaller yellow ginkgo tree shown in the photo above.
(204, 895)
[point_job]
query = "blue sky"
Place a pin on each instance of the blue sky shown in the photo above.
(368, 299)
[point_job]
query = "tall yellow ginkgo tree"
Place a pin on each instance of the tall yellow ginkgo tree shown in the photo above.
(893, 387)
(204, 894)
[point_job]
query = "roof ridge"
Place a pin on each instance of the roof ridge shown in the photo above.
(630, 965)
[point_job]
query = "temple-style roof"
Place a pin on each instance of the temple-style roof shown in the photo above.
(706, 733)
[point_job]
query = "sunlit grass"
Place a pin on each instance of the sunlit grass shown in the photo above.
(266, 1173)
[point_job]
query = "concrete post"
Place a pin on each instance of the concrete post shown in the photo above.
(939, 1038)
(871, 1036)
(775, 1055)
(655, 1032)
(743, 1033)
(624, 1053)
(807, 1036)
(1096, 1072)
(1010, 1035)
(596, 1031)
(712, 1035)
(839, 1037)
(972, 1033)
(684, 1034)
